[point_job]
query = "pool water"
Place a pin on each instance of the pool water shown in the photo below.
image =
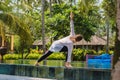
(59, 63)
(54, 69)
(59, 73)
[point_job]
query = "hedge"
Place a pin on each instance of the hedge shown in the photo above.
(77, 55)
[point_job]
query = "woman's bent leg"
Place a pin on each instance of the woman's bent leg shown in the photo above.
(68, 57)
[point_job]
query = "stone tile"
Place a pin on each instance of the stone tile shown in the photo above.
(51, 72)
(81, 74)
(59, 73)
(106, 75)
(76, 74)
(68, 74)
(7, 69)
(97, 75)
(20, 70)
(87, 74)
(43, 71)
(31, 71)
(11, 77)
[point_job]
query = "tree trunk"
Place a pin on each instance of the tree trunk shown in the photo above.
(50, 5)
(12, 43)
(117, 41)
(116, 72)
(43, 29)
(3, 35)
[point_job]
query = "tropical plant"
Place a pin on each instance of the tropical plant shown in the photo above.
(13, 25)
(84, 22)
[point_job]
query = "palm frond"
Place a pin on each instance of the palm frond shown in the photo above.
(17, 27)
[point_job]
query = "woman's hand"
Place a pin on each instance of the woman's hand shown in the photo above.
(71, 16)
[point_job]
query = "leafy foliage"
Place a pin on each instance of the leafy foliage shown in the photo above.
(17, 27)
(56, 56)
(85, 23)
(12, 24)
(27, 22)
(80, 54)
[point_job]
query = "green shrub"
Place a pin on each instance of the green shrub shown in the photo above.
(111, 52)
(56, 56)
(77, 54)
(101, 52)
(33, 56)
(13, 56)
(80, 54)
(10, 56)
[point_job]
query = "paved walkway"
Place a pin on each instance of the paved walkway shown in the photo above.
(12, 77)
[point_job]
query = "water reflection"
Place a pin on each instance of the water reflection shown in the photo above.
(55, 71)
(59, 63)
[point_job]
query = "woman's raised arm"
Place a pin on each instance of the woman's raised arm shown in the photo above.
(72, 32)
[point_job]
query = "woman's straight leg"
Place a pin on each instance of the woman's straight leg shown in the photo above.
(44, 56)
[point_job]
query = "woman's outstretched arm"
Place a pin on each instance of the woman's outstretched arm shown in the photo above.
(72, 32)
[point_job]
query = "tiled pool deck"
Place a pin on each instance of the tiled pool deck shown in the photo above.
(11, 77)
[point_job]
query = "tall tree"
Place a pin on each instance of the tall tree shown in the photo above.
(13, 24)
(43, 26)
(85, 20)
(117, 41)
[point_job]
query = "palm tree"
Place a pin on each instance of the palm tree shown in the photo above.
(117, 41)
(16, 26)
(11, 24)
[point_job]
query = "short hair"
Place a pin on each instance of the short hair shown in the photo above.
(78, 37)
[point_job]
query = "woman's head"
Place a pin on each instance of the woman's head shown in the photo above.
(78, 37)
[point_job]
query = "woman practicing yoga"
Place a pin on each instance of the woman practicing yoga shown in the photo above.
(63, 45)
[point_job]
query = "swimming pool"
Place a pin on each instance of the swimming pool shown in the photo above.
(55, 72)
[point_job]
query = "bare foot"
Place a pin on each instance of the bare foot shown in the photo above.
(36, 64)
(68, 65)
